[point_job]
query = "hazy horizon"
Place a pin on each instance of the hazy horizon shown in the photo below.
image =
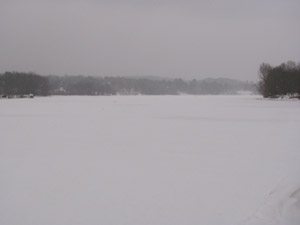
(150, 77)
(168, 39)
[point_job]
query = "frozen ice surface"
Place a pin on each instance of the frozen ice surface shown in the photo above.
(144, 160)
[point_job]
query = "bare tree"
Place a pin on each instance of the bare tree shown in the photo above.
(263, 72)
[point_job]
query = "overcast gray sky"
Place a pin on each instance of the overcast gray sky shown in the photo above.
(178, 38)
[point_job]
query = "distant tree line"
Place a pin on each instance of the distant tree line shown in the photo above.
(280, 80)
(14, 83)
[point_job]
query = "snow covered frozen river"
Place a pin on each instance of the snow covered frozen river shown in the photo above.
(146, 160)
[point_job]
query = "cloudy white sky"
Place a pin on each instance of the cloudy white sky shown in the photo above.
(179, 38)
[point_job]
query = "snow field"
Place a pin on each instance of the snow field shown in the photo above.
(149, 160)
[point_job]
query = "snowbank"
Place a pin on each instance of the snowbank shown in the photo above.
(282, 205)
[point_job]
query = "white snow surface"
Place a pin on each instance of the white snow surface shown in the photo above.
(146, 160)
